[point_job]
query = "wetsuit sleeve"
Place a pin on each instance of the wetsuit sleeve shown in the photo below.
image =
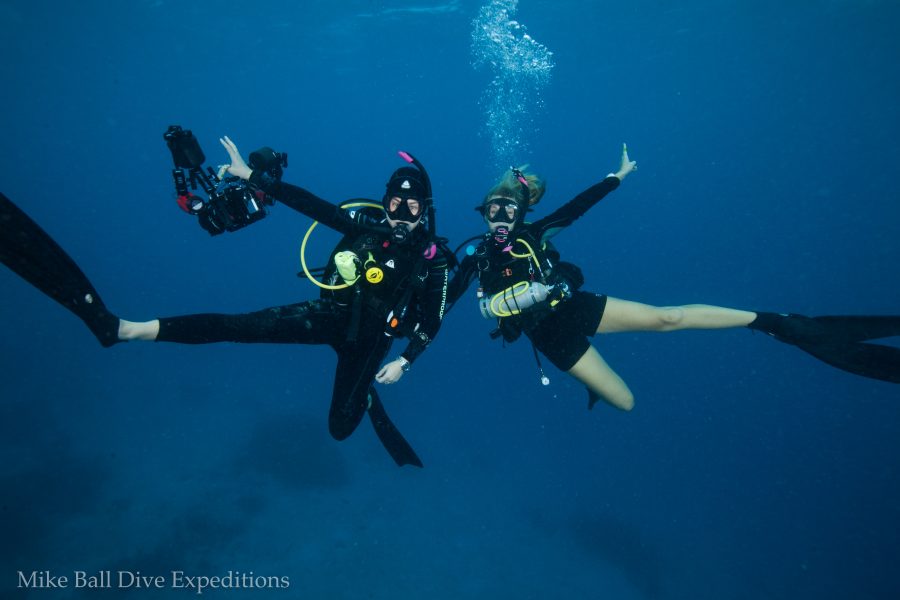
(572, 210)
(461, 280)
(432, 302)
(305, 202)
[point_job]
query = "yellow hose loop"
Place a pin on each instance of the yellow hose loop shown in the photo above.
(500, 298)
(303, 250)
(529, 254)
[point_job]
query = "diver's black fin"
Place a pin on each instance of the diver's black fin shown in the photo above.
(837, 340)
(38, 259)
(391, 438)
(593, 398)
(860, 328)
(869, 360)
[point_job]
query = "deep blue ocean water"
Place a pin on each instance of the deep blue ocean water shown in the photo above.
(766, 138)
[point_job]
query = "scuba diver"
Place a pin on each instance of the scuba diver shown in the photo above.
(387, 278)
(527, 289)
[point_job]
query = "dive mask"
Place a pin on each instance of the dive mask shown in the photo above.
(402, 211)
(501, 210)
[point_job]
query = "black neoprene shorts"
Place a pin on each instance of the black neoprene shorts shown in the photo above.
(562, 336)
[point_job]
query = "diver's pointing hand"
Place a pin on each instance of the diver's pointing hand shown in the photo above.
(238, 167)
(627, 165)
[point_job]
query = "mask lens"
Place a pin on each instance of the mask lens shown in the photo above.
(502, 210)
(405, 209)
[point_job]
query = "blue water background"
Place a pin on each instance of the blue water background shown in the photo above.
(765, 134)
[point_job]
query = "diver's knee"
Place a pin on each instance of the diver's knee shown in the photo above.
(625, 401)
(670, 317)
(621, 398)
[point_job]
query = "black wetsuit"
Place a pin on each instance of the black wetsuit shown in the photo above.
(560, 332)
(354, 320)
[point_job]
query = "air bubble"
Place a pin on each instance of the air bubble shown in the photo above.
(521, 67)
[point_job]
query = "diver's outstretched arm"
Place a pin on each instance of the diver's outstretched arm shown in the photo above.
(292, 196)
(574, 209)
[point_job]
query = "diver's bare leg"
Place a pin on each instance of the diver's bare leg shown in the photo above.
(625, 315)
(130, 330)
(592, 371)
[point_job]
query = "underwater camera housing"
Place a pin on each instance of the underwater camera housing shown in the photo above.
(231, 203)
(233, 206)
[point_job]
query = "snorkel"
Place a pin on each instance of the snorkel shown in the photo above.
(525, 192)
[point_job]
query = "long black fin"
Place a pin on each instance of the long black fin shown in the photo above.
(838, 341)
(868, 360)
(860, 328)
(391, 438)
(38, 259)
